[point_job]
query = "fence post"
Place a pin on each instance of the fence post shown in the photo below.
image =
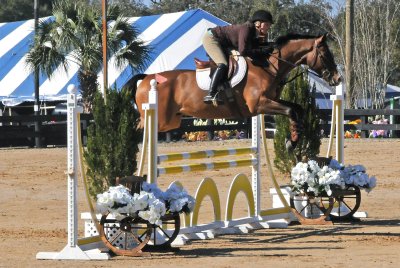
(364, 122)
(210, 134)
(391, 119)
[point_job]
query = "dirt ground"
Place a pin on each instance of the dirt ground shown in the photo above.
(33, 215)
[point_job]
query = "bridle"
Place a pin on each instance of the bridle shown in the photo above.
(325, 73)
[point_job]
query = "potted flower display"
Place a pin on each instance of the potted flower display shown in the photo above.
(310, 178)
(147, 218)
(319, 189)
(150, 204)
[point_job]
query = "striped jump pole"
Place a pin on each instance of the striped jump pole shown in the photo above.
(205, 154)
(206, 166)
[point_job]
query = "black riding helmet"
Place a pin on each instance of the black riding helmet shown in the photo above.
(262, 15)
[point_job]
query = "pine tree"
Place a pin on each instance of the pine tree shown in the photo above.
(112, 140)
(298, 91)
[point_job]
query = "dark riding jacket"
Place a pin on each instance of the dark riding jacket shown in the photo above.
(242, 37)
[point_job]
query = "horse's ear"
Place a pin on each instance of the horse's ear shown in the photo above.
(322, 39)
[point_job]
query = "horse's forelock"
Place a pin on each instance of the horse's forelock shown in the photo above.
(283, 40)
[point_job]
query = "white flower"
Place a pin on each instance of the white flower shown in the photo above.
(156, 211)
(313, 165)
(140, 201)
(178, 198)
(118, 195)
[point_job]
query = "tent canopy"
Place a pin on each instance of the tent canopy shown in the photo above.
(175, 39)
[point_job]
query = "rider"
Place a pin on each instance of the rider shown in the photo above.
(245, 38)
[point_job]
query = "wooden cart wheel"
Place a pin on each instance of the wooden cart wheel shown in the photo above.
(310, 210)
(162, 236)
(126, 237)
(346, 203)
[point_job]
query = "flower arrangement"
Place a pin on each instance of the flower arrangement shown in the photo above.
(150, 204)
(218, 135)
(379, 133)
(196, 136)
(310, 178)
(351, 134)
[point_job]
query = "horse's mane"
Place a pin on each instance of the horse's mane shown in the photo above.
(283, 40)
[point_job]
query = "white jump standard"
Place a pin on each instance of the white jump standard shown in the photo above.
(73, 251)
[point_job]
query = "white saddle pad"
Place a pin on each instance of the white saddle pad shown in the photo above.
(203, 75)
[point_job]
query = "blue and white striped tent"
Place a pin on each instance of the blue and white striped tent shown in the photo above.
(175, 39)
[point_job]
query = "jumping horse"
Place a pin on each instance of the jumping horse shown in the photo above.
(258, 93)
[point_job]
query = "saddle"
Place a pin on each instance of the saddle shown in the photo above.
(237, 70)
(232, 65)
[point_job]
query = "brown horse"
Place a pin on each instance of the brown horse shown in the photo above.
(257, 93)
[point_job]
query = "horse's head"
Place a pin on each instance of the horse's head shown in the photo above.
(321, 60)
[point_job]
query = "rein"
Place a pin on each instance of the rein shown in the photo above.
(284, 82)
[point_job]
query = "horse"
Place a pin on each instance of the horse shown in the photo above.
(258, 93)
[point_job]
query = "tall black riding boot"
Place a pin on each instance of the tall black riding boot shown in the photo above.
(218, 77)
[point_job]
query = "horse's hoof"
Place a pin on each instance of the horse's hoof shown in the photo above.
(290, 145)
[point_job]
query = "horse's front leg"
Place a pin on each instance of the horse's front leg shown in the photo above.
(292, 110)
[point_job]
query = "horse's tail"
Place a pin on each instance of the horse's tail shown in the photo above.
(132, 83)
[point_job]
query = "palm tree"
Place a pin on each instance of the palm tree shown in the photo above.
(74, 35)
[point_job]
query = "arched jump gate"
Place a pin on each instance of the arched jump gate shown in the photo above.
(88, 247)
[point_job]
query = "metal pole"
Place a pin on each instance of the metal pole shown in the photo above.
(349, 52)
(105, 67)
(38, 142)
(391, 119)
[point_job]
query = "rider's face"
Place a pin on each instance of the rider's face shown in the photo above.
(264, 27)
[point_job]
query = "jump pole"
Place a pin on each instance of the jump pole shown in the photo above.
(72, 251)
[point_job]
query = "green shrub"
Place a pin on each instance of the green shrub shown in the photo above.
(112, 140)
(298, 91)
